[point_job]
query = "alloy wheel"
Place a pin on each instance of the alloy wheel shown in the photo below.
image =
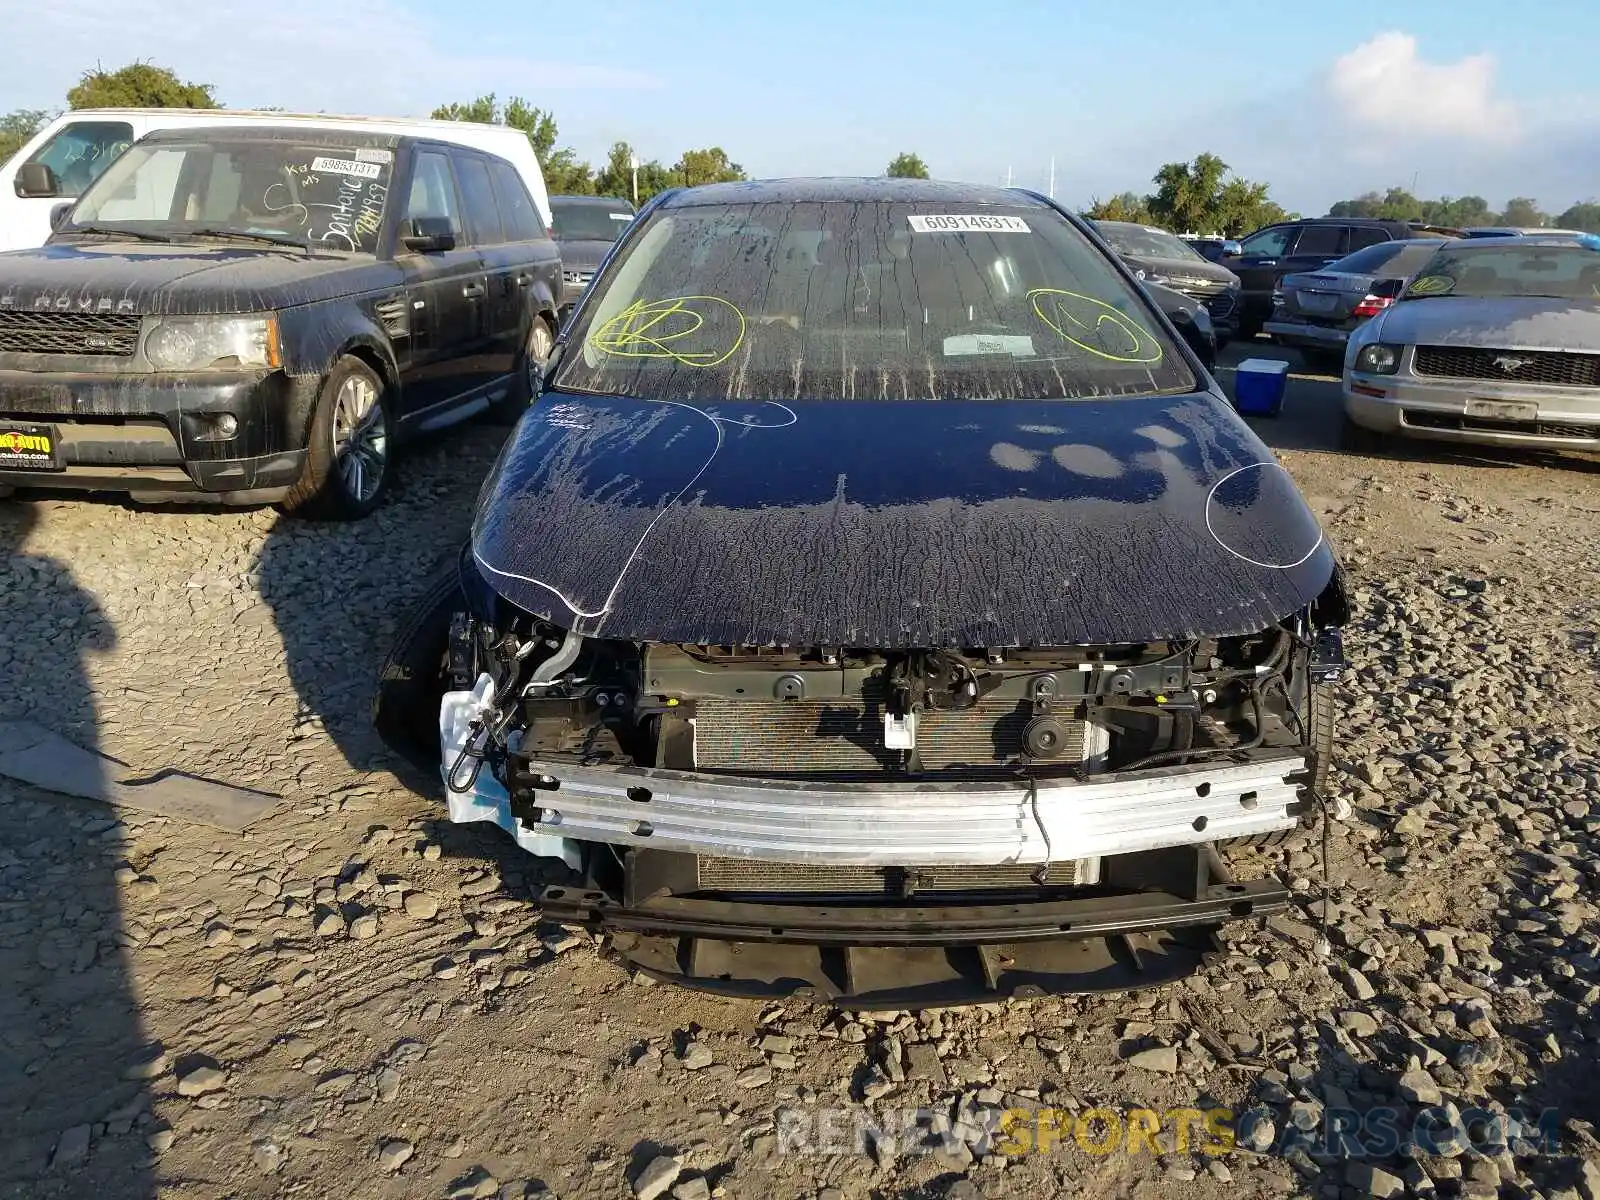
(360, 438)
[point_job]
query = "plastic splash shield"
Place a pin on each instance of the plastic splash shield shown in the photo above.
(487, 798)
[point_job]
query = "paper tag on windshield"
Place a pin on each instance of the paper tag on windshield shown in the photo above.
(961, 344)
(346, 166)
(377, 156)
(967, 223)
(622, 216)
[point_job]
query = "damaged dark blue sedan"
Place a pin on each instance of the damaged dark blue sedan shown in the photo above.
(881, 604)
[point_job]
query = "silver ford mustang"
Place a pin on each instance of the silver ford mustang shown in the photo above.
(1494, 341)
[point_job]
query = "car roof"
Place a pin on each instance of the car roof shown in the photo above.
(843, 189)
(268, 133)
(269, 117)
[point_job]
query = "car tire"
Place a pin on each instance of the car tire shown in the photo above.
(524, 388)
(405, 706)
(349, 447)
(1358, 439)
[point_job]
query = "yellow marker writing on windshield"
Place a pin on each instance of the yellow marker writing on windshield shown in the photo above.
(664, 329)
(1431, 285)
(1086, 317)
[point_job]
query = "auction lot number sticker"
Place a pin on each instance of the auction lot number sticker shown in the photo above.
(964, 223)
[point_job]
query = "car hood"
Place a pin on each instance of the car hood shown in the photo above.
(1499, 323)
(583, 256)
(1183, 272)
(159, 280)
(897, 523)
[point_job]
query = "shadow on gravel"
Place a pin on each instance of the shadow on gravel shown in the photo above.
(71, 1124)
(341, 592)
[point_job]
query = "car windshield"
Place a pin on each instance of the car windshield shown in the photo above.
(307, 190)
(1510, 268)
(589, 222)
(866, 299)
(1139, 241)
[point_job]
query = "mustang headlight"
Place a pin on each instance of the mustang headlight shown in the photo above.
(1378, 359)
(196, 343)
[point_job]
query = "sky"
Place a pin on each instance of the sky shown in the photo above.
(1322, 102)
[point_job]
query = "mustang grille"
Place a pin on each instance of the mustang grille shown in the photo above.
(26, 332)
(751, 875)
(1558, 367)
(844, 737)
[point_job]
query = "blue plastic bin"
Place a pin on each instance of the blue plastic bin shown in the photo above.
(1259, 386)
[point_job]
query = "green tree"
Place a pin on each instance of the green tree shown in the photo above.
(1523, 211)
(1584, 216)
(564, 174)
(1129, 206)
(616, 177)
(711, 165)
(1201, 197)
(907, 166)
(138, 85)
(17, 127)
(1398, 204)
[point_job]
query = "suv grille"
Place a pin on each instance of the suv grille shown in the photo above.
(1557, 367)
(1221, 306)
(26, 332)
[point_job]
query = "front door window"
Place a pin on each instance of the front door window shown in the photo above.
(81, 151)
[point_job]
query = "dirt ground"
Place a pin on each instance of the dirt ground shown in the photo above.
(355, 998)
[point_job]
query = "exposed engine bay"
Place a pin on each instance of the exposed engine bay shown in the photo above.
(879, 828)
(850, 714)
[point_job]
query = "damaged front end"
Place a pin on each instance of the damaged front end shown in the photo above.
(886, 828)
(881, 604)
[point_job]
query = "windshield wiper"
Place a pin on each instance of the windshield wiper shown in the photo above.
(270, 239)
(108, 231)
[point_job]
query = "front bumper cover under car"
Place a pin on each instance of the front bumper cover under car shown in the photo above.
(1156, 898)
(1154, 920)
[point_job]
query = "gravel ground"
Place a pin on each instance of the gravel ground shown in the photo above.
(355, 999)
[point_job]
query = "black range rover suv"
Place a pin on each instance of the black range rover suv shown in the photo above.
(260, 315)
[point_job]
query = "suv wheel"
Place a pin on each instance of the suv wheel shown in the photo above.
(349, 453)
(524, 386)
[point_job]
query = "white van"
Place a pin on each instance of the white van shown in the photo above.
(76, 147)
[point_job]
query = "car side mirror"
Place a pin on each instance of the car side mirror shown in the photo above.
(429, 235)
(1232, 249)
(36, 181)
(58, 214)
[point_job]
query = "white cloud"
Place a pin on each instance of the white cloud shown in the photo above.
(1385, 84)
(362, 56)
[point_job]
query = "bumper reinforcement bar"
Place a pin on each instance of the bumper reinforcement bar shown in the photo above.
(930, 823)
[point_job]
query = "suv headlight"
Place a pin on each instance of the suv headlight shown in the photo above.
(197, 343)
(1378, 359)
(1150, 276)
